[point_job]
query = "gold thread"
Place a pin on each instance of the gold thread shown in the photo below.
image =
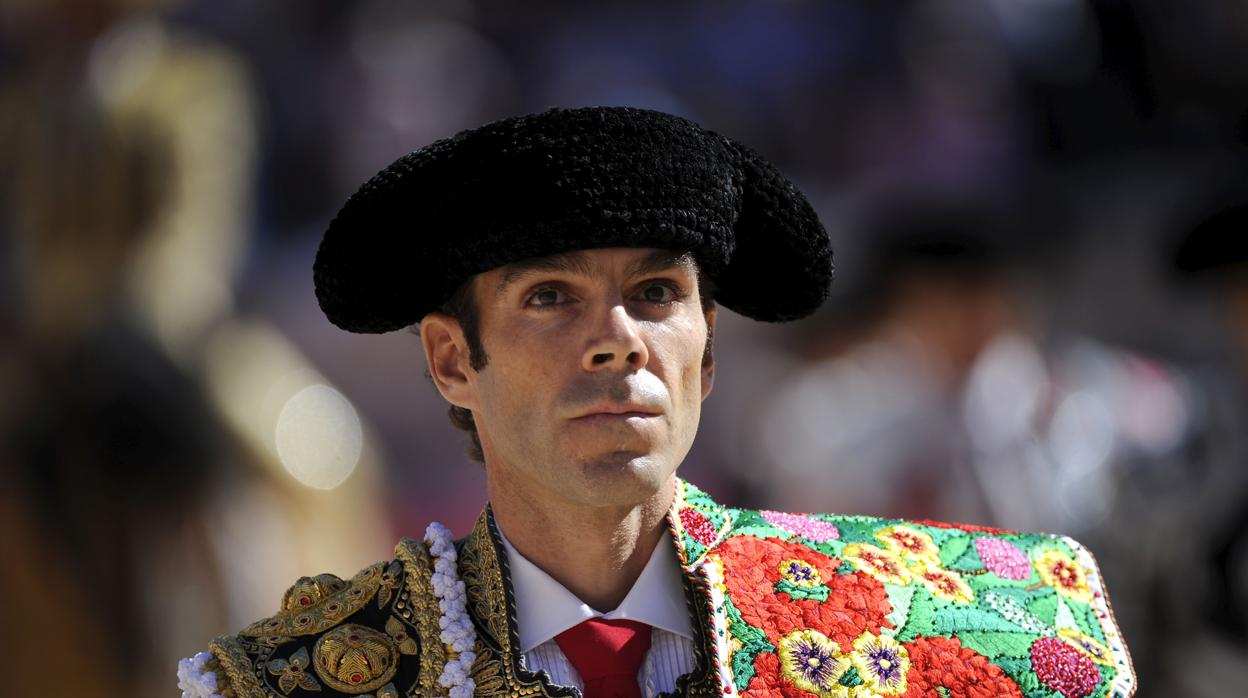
(496, 671)
(355, 658)
(334, 604)
(239, 680)
(424, 614)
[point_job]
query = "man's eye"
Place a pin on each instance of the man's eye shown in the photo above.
(545, 297)
(661, 294)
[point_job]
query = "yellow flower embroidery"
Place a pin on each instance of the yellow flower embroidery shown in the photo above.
(1059, 571)
(812, 662)
(800, 574)
(910, 543)
(944, 584)
(882, 664)
(885, 565)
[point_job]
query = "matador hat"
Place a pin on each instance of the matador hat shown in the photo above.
(563, 180)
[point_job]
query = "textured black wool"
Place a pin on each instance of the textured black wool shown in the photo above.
(570, 179)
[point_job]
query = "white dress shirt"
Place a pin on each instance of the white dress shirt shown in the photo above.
(545, 608)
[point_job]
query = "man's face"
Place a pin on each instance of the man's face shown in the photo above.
(577, 335)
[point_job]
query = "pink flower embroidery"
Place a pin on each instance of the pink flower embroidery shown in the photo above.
(807, 527)
(1003, 558)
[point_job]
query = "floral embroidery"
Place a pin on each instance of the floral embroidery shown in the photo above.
(800, 574)
(290, 672)
(944, 584)
(1059, 571)
(1003, 558)
(1014, 612)
(807, 527)
(698, 526)
(1087, 645)
(910, 543)
(942, 666)
(885, 565)
(855, 602)
(882, 663)
(813, 663)
(1063, 668)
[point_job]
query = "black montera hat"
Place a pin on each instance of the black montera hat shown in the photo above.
(569, 179)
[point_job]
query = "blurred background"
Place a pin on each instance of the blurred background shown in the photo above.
(1039, 321)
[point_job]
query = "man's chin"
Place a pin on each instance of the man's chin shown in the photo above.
(625, 477)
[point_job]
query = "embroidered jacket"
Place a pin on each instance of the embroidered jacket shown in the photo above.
(783, 606)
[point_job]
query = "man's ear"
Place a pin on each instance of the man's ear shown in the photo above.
(446, 354)
(708, 355)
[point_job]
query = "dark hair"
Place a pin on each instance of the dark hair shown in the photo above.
(463, 307)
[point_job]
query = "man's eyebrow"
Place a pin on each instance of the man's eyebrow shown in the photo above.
(568, 263)
(661, 260)
(578, 263)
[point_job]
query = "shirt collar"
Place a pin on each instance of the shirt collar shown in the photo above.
(545, 608)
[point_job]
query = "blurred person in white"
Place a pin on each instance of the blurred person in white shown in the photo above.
(874, 417)
(127, 154)
(952, 399)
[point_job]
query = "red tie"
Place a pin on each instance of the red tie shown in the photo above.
(607, 654)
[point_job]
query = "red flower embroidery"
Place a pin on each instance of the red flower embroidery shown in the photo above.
(940, 662)
(698, 526)
(855, 603)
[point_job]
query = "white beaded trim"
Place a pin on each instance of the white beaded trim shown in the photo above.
(194, 681)
(457, 631)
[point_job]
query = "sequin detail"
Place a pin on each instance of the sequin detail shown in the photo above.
(698, 526)
(1064, 668)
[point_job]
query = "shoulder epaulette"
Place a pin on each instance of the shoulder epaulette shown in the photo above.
(380, 634)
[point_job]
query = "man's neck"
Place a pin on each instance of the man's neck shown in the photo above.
(597, 553)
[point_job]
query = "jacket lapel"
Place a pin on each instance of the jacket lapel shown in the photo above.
(498, 671)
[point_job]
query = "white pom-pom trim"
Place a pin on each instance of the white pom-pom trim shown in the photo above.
(457, 631)
(194, 681)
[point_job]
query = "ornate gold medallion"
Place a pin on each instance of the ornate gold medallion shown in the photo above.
(355, 659)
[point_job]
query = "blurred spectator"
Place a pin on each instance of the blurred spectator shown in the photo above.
(140, 515)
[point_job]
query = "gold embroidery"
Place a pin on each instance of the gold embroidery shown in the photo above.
(496, 670)
(236, 665)
(353, 659)
(290, 672)
(305, 592)
(389, 583)
(396, 631)
(418, 606)
(315, 604)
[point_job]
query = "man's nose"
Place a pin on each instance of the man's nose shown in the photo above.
(617, 343)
